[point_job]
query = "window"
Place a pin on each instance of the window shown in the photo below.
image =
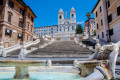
(72, 27)
(97, 26)
(21, 11)
(28, 25)
(72, 15)
(96, 14)
(98, 36)
(60, 29)
(0, 14)
(118, 11)
(11, 4)
(9, 18)
(31, 28)
(109, 18)
(60, 17)
(1, 2)
(111, 32)
(20, 36)
(20, 23)
(108, 3)
(8, 32)
(100, 9)
(101, 22)
(32, 19)
(27, 37)
(28, 15)
(102, 34)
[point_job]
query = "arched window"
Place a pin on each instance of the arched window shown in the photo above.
(72, 15)
(9, 16)
(60, 17)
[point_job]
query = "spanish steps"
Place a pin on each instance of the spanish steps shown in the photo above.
(58, 49)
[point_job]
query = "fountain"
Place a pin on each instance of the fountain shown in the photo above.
(102, 64)
(21, 65)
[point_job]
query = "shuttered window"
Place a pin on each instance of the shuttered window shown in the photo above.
(118, 11)
(109, 18)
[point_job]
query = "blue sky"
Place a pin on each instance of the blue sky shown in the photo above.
(47, 10)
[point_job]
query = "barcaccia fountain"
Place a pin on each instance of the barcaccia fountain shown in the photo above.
(21, 65)
(101, 65)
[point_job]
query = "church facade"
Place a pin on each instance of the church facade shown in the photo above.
(67, 25)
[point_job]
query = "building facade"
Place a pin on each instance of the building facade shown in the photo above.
(92, 27)
(65, 24)
(46, 30)
(107, 20)
(16, 22)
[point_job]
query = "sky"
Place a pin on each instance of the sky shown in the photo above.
(47, 10)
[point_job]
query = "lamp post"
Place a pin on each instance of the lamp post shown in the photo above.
(88, 14)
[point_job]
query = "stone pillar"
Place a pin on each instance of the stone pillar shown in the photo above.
(75, 63)
(49, 63)
(2, 50)
(21, 73)
(96, 75)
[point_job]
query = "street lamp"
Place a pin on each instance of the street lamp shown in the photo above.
(88, 14)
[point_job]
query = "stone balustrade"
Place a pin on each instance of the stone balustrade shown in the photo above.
(19, 46)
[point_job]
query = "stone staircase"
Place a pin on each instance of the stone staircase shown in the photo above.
(88, 43)
(62, 49)
(15, 53)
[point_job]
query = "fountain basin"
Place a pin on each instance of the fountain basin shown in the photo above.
(21, 67)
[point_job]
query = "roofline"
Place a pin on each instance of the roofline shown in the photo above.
(95, 6)
(90, 18)
(32, 11)
(23, 3)
(46, 26)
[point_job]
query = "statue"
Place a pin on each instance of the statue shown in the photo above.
(22, 52)
(97, 46)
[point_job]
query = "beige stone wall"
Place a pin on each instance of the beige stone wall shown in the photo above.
(115, 21)
(14, 25)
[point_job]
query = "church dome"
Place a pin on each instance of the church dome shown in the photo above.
(60, 11)
(72, 9)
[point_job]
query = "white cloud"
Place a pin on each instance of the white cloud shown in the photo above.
(82, 22)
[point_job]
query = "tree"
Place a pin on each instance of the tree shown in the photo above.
(88, 14)
(79, 29)
(94, 32)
